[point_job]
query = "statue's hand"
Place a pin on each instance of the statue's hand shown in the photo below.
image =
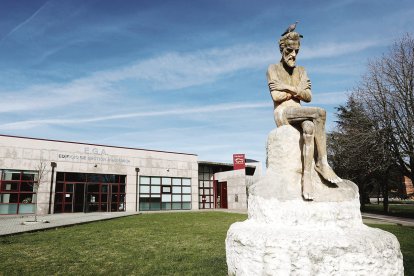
(277, 85)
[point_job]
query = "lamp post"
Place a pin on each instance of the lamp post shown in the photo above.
(136, 199)
(53, 165)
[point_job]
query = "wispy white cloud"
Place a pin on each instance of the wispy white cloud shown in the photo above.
(27, 124)
(177, 70)
(332, 49)
(24, 23)
(46, 96)
(166, 72)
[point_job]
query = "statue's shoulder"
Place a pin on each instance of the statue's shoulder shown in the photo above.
(274, 69)
(301, 69)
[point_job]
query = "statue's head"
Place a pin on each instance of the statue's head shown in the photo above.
(289, 46)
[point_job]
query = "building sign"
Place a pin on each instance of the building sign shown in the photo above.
(93, 155)
(239, 161)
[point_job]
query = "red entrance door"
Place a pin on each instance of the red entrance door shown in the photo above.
(221, 195)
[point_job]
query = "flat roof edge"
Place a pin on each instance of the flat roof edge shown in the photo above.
(223, 164)
(90, 144)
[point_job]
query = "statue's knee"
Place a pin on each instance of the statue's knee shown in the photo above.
(308, 127)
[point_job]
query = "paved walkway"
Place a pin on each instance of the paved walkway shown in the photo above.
(389, 219)
(17, 224)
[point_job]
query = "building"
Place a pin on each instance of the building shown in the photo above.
(82, 177)
(408, 187)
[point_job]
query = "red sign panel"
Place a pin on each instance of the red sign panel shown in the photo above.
(239, 161)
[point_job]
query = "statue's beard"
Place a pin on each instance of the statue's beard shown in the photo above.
(291, 61)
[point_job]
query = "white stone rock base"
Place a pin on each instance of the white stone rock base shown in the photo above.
(272, 249)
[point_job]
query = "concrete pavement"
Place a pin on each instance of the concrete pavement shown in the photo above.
(389, 219)
(18, 224)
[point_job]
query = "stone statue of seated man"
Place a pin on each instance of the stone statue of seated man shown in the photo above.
(288, 85)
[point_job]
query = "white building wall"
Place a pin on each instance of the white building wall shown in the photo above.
(26, 154)
(236, 188)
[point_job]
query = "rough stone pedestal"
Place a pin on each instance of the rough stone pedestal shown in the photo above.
(285, 235)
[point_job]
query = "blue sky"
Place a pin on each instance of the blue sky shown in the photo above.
(186, 76)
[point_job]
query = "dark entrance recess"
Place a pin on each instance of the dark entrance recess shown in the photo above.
(221, 195)
(87, 192)
(79, 199)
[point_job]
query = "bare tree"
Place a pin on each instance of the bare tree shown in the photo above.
(387, 92)
(38, 180)
(376, 128)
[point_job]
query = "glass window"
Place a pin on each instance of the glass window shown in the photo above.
(26, 208)
(109, 178)
(26, 187)
(6, 209)
(144, 206)
(115, 188)
(104, 188)
(10, 186)
(27, 198)
(166, 189)
(166, 198)
(164, 193)
(186, 197)
(11, 175)
(58, 198)
(59, 187)
(176, 190)
(144, 189)
(155, 206)
(60, 176)
(68, 198)
(69, 187)
(104, 197)
(186, 182)
(29, 176)
(176, 206)
(75, 177)
(92, 188)
(155, 181)
(166, 206)
(155, 189)
(9, 198)
(92, 177)
(166, 181)
(77, 192)
(144, 180)
(186, 205)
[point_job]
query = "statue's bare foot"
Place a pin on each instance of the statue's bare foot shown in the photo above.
(326, 172)
(307, 189)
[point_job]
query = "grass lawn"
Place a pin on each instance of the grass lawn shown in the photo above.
(398, 210)
(152, 244)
